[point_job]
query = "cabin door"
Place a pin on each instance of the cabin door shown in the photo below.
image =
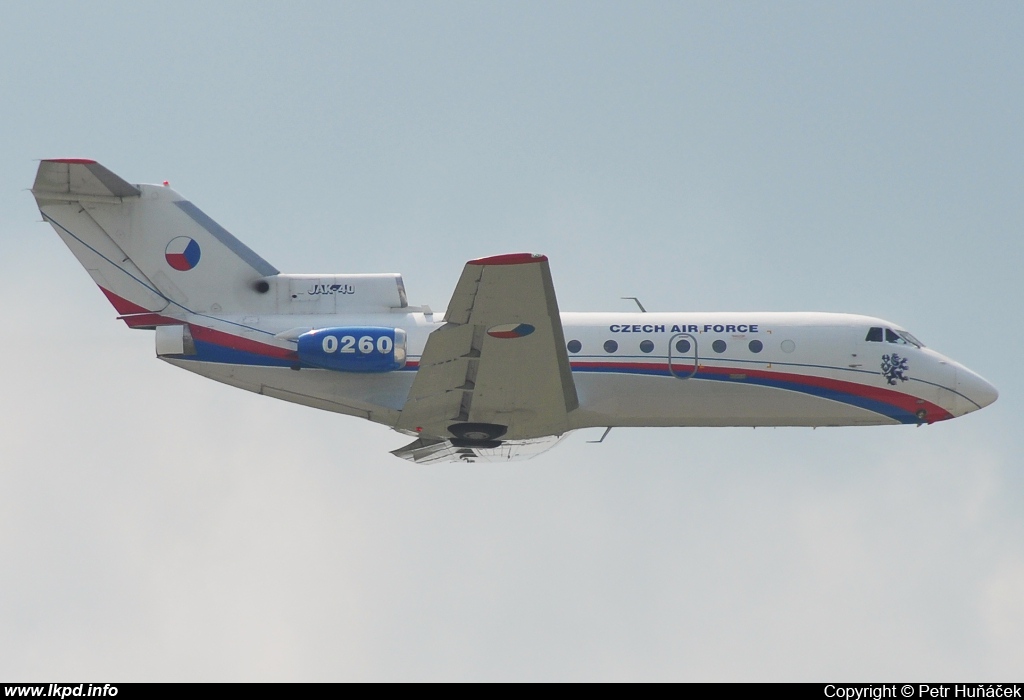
(682, 355)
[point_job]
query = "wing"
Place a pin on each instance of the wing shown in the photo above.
(498, 368)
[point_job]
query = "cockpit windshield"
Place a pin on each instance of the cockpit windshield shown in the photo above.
(888, 335)
(891, 337)
(910, 339)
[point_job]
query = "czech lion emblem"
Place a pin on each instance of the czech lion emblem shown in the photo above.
(893, 368)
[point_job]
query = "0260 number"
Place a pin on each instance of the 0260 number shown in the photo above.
(348, 344)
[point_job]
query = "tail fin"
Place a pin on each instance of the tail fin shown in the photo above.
(154, 254)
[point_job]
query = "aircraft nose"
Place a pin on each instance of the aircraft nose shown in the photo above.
(975, 388)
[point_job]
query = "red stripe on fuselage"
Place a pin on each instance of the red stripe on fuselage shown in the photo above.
(134, 315)
(905, 402)
(122, 305)
(148, 320)
(227, 340)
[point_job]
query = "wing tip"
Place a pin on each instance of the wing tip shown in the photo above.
(70, 161)
(510, 259)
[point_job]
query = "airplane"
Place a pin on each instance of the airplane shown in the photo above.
(502, 374)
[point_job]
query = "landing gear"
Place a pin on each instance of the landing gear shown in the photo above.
(478, 435)
(476, 444)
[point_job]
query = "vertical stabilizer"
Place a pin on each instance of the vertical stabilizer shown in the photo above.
(154, 253)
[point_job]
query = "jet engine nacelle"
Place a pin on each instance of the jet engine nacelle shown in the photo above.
(354, 348)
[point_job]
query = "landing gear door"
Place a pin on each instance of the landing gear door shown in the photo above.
(682, 355)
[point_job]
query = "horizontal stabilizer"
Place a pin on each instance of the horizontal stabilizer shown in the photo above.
(72, 178)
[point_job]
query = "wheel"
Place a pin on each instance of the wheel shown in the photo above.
(477, 432)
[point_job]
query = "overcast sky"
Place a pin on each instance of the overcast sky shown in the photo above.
(860, 157)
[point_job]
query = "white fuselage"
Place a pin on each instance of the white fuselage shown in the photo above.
(651, 369)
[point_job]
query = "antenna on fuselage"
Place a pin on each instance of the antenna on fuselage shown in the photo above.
(637, 303)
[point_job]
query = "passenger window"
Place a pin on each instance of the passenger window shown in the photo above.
(610, 346)
(647, 346)
(574, 346)
(874, 335)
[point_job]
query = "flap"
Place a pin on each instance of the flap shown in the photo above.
(431, 451)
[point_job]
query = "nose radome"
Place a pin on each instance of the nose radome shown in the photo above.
(975, 388)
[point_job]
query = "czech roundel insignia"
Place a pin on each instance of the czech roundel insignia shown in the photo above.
(182, 253)
(510, 330)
